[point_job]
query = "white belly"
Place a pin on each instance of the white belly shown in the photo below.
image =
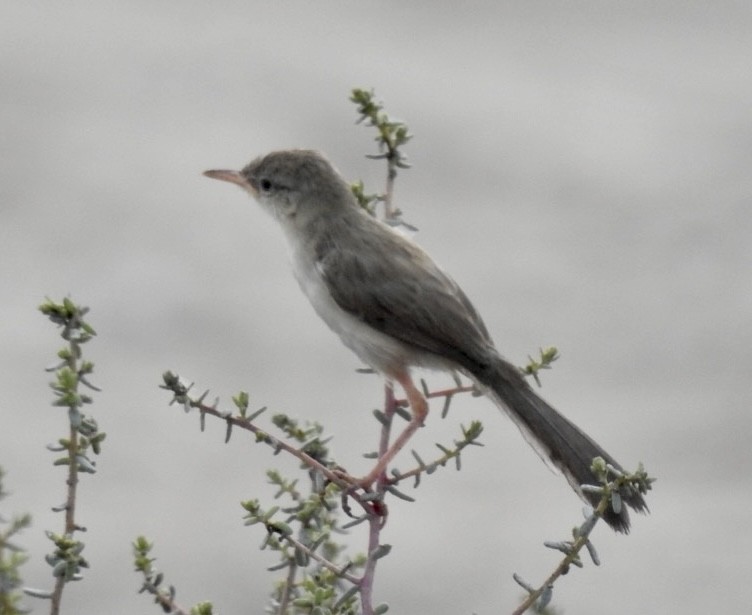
(382, 352)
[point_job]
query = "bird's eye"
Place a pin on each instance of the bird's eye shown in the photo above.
(265, 185)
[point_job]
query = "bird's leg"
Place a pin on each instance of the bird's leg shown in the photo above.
(419, 409)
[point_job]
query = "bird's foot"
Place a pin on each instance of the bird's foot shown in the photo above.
(371, 499)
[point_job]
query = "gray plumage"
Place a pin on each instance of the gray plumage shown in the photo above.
(396, 309)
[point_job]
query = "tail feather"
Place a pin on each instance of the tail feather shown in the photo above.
(556, 439)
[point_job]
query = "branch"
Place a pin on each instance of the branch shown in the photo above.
(153, 582)
(173, 383)
(391, 135)
(614, 482)
(83, 433)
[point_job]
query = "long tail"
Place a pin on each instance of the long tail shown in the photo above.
(555, 438)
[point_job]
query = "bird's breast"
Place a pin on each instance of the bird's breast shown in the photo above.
(382, 352)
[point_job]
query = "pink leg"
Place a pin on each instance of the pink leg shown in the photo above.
(419, 408)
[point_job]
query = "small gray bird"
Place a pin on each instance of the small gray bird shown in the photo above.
(396, 309)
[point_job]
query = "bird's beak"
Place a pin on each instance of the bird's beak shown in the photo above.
(233, 177)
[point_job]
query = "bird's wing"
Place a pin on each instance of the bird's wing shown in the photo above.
(393, 286)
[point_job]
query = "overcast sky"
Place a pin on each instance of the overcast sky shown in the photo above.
(582, 169)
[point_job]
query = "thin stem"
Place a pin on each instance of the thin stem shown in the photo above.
(390, 407)
(391, 175)
(275, 443)
(339, 571)
(70, 505)
(167, 603)
(565, 563)
(287, 588)
(469, 388)
(72, 482)
(369, 574)
(375, 522)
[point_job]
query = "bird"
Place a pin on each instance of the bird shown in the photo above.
(397, 310)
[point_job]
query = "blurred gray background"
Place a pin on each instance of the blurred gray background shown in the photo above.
(582, 169)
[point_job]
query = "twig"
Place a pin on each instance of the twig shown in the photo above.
(172, 383)
(610, 493)
(72, 370)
